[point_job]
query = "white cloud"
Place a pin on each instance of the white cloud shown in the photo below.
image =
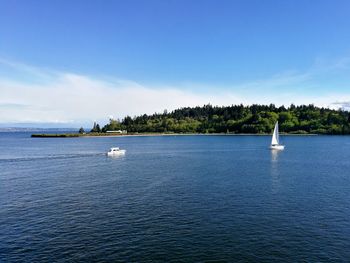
(72, 98)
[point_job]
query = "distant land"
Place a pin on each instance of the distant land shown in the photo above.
(239, 119)
(235, 119)
(35, 129)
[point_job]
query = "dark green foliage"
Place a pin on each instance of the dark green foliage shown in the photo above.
(96, 128)
(239, 119)
(81, 130)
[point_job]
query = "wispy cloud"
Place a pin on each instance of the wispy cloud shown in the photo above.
(344, 105)
(32, 71)
(71, 98)
(66, 97)
(13, 106)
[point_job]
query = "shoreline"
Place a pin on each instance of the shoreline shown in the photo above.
(77, 135)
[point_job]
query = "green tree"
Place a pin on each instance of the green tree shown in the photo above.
(238, 119)
(96, 128)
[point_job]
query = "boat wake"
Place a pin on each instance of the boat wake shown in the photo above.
(49, 157)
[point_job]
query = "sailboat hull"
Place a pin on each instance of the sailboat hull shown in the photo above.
(277, 147)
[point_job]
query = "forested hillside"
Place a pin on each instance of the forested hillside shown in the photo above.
(239, 119)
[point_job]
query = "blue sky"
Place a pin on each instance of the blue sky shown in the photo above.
(218, 52)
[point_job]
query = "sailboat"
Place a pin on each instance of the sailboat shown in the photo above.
(275, 142)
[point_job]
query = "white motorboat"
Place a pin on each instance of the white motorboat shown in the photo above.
(275, 142)
(115, 151)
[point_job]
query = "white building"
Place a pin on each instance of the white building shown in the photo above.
(118, 131)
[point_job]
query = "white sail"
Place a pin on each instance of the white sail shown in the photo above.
(275, 136)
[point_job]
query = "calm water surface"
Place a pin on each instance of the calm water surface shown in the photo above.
(174, 199)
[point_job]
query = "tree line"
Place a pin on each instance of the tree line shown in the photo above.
(255, 119)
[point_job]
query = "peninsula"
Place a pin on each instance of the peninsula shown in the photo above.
(235, 119)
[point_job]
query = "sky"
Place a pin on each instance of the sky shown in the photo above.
(69, 63)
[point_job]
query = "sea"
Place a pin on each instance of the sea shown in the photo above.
(174, 199)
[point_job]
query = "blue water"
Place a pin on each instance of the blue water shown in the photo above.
(174, 199)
